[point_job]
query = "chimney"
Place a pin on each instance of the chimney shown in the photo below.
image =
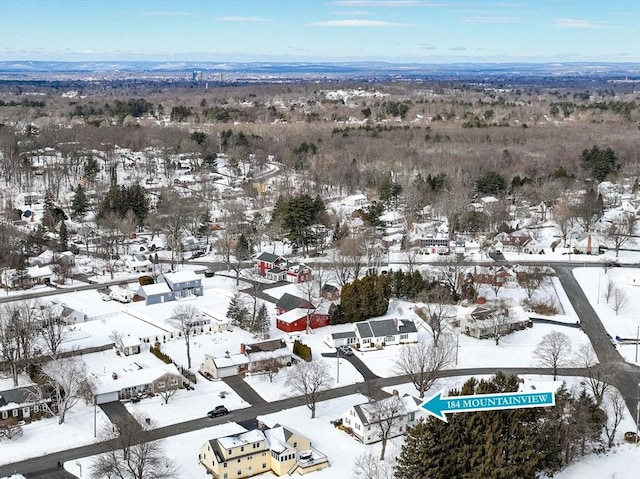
(243, 348)
(226, 354)
(395, 392)
(395, 322)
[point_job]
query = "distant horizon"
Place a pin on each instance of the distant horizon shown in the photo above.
(321, 31)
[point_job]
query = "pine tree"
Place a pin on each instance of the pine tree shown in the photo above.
(63, 234)
(236, 311)
(262, 320)
(80, 203)
(500, 444)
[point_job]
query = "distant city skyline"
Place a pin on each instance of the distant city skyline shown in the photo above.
(399, 31)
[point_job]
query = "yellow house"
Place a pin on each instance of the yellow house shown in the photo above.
(246, 454)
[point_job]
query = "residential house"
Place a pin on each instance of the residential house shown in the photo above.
(516, 244)
(483, 321)
(132, 380)
(295, 314)
(128, 345)
(280, 450)
(137, 263)
(287, 302)
(251, 358)
(500, 276)
(297, 273)
(363, 419)
(383, 332)
(345, 338)
(172, 286)
(26, 278)
(585, 243)
(330, 292)
(267, 262)
(356, 200)
(24, 404)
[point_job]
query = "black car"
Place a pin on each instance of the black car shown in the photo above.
(218, 411)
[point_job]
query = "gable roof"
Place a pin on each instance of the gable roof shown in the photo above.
(289, 302)
(385, 327)
(268, 258)
(181, 276)
(22, 395)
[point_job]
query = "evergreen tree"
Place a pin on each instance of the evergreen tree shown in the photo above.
(600, 162)
(262, 321)
(91, 169)
(63, 234)
(243, 249)
(80, 203)
(236, 312)
(500, 444)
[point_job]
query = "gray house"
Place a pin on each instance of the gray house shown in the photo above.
(377, 332)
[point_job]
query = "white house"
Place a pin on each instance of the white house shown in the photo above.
(137, 263)
(356, 200)
(586, 243)
(377, 332)
(128, 345)
(483, 321)
(252, 358)
(363, 419)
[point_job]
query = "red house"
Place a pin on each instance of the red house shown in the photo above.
(293, 313)
(267, 261)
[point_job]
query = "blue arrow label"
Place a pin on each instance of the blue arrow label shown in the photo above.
(438, 406)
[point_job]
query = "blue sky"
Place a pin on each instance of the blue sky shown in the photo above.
(422, 31)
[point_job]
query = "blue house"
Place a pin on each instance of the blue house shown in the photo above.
(172, 286)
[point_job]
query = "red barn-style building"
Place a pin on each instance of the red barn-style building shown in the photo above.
(267, 261)
(294, 312)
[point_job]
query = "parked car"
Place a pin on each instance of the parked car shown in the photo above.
(346, 350)
(218, 411)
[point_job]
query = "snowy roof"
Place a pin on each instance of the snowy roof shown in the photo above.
(292, 316)
(129, 341)
(104, 383)
(181, 276)
(243, 439)
(153, 289)
(234, 360)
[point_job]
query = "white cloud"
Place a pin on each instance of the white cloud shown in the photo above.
(426, 46)
(242, 19)
(357, 23)
(575, 23)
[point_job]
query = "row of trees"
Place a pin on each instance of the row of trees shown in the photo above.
(513, 443)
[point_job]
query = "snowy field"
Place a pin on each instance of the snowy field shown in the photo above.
(626, 323)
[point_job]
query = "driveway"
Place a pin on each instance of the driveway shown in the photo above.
(243, 390)
(357, 363)
(120, 416)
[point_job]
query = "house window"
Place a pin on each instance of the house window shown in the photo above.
(36, 408)
(256, 445)
(229, 451)
(357, 426)
(389, 339)
(174, 382)
(5, 414)
(204, 456)
(250, 458)
(239, 459)
(241, 448)
(412, 416)
(264, 465)
(224, 465)
(264, 454)
(404, 336)
(239, 471)
(295, 444)
(15, 412)
(225, 476)
(161, 384)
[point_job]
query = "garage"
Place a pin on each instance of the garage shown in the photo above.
(106, 397)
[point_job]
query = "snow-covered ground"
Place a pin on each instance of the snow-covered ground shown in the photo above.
(626, 323)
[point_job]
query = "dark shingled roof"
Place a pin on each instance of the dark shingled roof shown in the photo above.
(346, 334)
(268, 257)
(270, 345)
(289, 302)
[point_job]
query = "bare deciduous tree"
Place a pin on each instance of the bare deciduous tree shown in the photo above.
(385, 417)
(271, 368)
(423, 361)
(67, 378)
(598, 376)
(451, 271)
(619, 299)
(182, 318)
(53, 329)
(615, 414)
(437, 313)
(18, 327)
(366, 467)
(620, 231)
(532, 279)
(309, 379)
(553, 352)
(132, 456)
